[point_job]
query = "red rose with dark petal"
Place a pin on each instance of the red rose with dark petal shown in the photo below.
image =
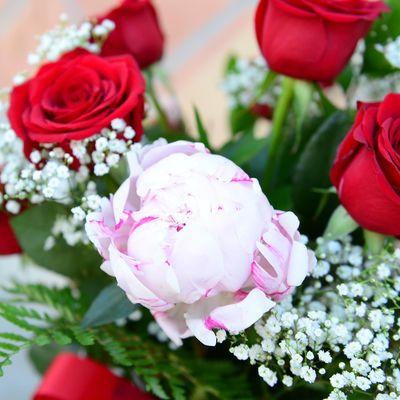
(8, 242)
(137, 32)
(262, 110)
(313, 39)
(76, 97)
(366, 171)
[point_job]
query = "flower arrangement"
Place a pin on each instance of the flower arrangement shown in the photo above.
(268, 268)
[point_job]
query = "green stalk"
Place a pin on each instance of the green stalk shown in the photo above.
(265, 85)
(153, 97)
(277, 137)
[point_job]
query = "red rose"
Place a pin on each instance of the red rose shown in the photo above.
(137, 32)
(71, 377)
(313, 39)
(262, 110)
(76, 97)
(8, 242)
(366, 171)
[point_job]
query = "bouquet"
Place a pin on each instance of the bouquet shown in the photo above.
(268, 268)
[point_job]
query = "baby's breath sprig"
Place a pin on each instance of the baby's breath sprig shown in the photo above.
(341, 329)
(53, 173)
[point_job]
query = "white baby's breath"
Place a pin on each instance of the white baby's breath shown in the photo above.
(340, 331)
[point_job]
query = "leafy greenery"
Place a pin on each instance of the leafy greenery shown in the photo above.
(340, 224)
(312, 173)
(167, 374)
(109, 306)
(34, 226)
(303, 92)
(384, 29)
(244, 149)
(241, 120)
(203, 134)
(42, 356)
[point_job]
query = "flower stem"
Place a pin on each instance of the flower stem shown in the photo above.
(163, 118)
(265, 85)
(277, 137)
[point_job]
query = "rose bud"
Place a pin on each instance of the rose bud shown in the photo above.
(262, 110)
(313, 39)
(366, 171)
(137, 32)
(75, 98)
(182, 235)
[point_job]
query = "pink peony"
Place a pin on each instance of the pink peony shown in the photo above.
(191, 237)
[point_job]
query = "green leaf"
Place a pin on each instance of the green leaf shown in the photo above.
(153, 385)
(42, 340)
(13, 337)
(110, 305)
(303, 92)
(340, 224)
(178, 393)
(203, 134)
(83, 337)
(241, 120)
(117, 351)
(42, 356)
(385, 29)
(374, 242)
(61, 338)
(120, 172)
(156, 131)
(312, 172)
(325, 103)
(8, 346)
(34, 226)
(281, 198)
(230, 64)
(346, 77)
(244, 149)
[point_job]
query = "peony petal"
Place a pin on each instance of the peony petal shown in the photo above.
(135, 169)
(173, 323)
(141, 248)
(135, 290)
(298, 264)
(161, 150)
(265, 278)
(275, 258)
(98, 233)
(120, 199)
(277, 246)
(193, 238)
(197, 261)
(240, 316)
(312, 260)
(107, 268)
(289, 222)
(195, 320)
(161, 175)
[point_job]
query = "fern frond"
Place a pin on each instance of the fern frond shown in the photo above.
(83, 337)
(61, 300)
(165, 373)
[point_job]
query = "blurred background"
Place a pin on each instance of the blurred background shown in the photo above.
(200, 35)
